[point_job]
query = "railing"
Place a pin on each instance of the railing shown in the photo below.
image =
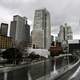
(34, 70)
(63, 63)
(40, 70)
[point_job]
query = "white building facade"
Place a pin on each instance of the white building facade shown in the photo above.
(65, 33)
(42, 29)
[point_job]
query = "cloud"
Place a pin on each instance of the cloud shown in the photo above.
(5, 15)
(61, 11)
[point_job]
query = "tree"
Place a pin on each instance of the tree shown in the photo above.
(13, 55)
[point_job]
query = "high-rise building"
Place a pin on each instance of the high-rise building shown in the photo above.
(65, 33)
(52, 38)
(41, 34)
(4, 29)
(56, 39)
(61, 34)
(20, 30)
(68, 32)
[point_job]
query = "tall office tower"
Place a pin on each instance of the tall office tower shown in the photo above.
(20, 30)
(61, 34)
(4, 29)
(56, 39)
(68, 32)
(41, 34)
(65, 33)
(52, 38)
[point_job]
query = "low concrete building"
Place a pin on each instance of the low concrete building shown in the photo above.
(74, 46)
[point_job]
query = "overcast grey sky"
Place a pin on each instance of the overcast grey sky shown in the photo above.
(61, 11)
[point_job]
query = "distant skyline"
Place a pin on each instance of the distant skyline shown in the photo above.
(61, 11)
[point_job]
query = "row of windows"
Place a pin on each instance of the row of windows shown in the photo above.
(5, 45)
(5, 42)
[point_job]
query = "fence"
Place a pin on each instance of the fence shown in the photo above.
(34, 71)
